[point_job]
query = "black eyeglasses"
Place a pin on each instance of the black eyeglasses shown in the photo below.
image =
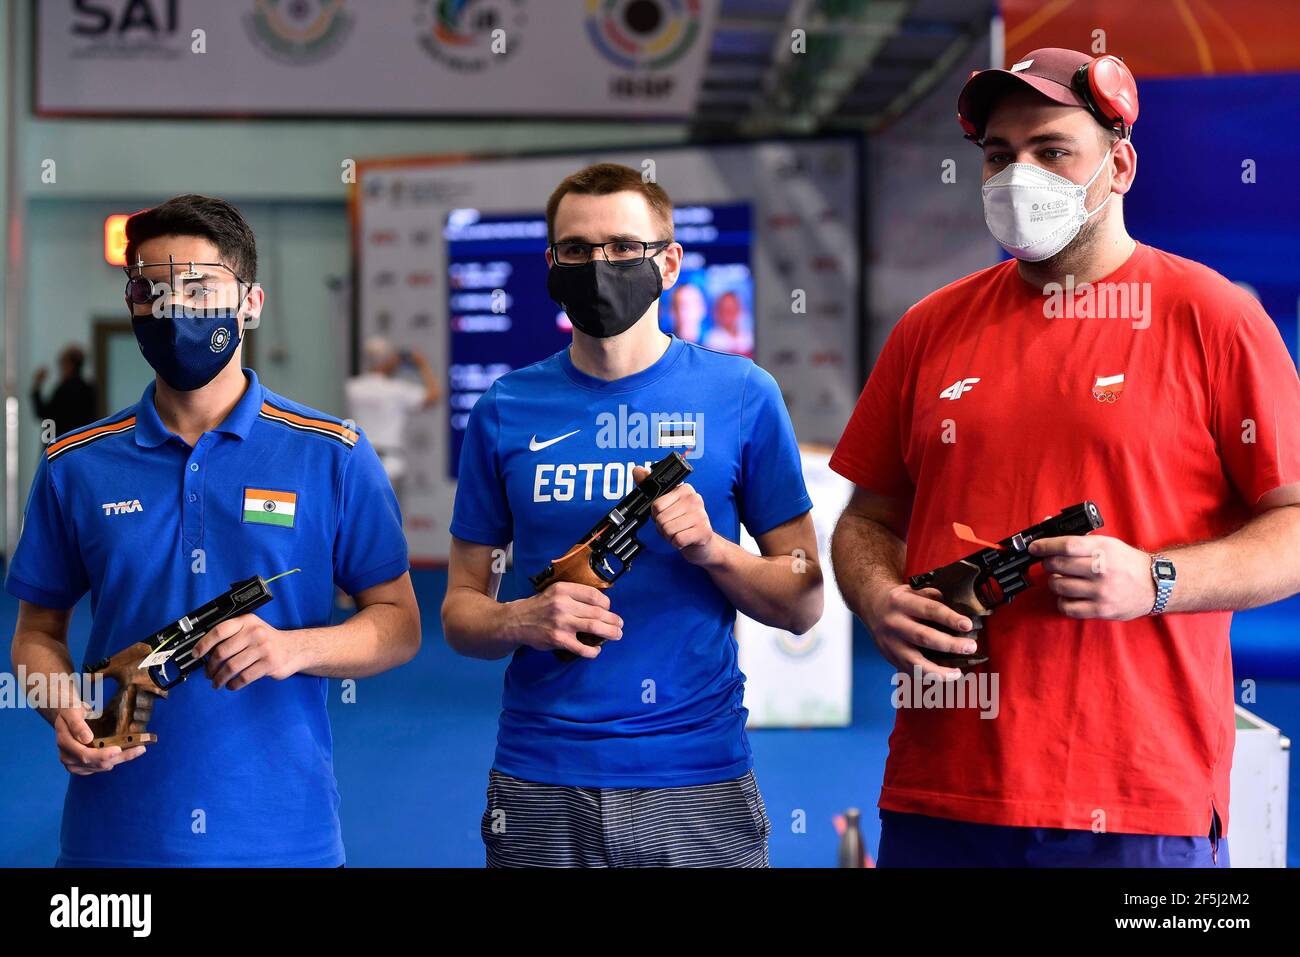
(618, 252)
(143, 291)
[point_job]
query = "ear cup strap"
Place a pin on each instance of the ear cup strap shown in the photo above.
(967, 127)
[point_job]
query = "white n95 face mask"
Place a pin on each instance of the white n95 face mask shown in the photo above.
(1034, 213)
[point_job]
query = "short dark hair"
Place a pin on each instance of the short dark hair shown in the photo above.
(74, 355)
(603, 179)
(193, 215)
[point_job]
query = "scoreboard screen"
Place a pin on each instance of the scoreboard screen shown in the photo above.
(500, 317)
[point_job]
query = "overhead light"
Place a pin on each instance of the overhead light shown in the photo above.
(115, 239)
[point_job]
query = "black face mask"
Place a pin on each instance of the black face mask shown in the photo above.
(603, 300)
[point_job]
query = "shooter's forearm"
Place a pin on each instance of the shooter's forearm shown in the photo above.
(868, 560)
(378, 637)
(44, 659)
(783, 591)
(477, 625)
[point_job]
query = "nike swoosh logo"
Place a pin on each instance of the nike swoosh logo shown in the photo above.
(535, 446)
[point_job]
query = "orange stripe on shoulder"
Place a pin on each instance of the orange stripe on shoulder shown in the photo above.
(90, 434)
(328, 426)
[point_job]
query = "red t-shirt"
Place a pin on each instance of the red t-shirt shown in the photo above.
(1130, 720)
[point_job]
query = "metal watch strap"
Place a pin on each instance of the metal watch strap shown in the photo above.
(1163, 588)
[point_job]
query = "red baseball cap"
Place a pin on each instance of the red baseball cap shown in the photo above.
(1050, 71)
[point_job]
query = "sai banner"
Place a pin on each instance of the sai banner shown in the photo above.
(579, 58)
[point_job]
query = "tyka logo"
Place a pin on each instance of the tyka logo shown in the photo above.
(122, 508)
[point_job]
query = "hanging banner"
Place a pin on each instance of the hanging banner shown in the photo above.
(381, 57)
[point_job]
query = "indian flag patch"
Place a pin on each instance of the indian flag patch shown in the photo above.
(268, 506)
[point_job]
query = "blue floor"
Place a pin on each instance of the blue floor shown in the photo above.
(412, 755)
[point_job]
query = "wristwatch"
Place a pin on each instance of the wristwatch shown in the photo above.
(1165, 576)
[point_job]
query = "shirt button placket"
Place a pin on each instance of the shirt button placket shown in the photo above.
(192, 496)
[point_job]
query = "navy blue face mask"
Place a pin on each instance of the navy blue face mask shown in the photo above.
(187, 347)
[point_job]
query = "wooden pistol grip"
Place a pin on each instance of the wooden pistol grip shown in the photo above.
(575, 566)
(117, 726)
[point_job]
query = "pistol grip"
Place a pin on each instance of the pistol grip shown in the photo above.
(118, 726)
(594, 641)
(574, 566)
(953, 660)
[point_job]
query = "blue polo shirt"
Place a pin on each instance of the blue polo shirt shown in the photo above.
(153, 528)
(548, 451)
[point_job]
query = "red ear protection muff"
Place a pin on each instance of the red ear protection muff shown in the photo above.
(1110, 91)
(1107, 89)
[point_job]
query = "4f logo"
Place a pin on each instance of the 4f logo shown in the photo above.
(955, 390)
(122, 508)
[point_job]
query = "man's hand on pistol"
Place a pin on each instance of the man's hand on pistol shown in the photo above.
(1097, 576)
(244, 649)
(683, 521)
(899, 621)
(73, 736)
(551, 620)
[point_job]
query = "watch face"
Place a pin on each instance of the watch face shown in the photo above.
(1165, 570)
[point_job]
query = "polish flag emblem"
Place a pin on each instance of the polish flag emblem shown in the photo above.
(1108, 388)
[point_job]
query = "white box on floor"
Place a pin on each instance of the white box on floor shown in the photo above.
(1258, 805)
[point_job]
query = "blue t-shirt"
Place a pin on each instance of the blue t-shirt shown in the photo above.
(548, 451)
(152, 528)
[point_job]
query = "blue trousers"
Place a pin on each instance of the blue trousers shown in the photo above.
(915, 840)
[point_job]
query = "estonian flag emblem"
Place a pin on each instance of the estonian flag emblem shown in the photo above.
(676, 435)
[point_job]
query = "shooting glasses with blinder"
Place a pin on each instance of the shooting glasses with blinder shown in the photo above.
(143, 291)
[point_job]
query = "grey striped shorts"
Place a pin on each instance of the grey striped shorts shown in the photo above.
(527, 824)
